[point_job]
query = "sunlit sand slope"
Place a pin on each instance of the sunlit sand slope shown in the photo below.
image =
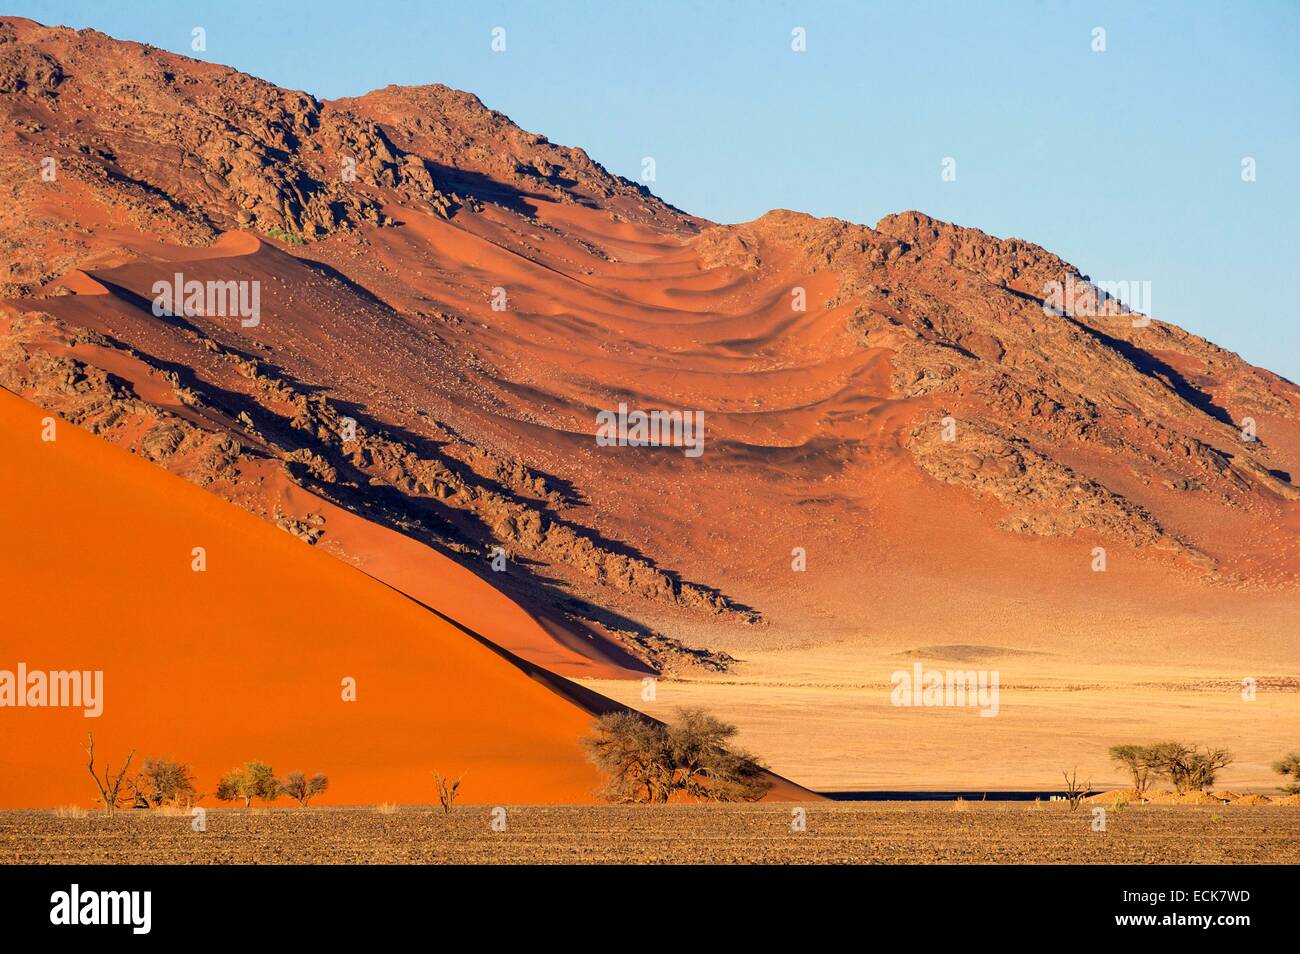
(246, 659)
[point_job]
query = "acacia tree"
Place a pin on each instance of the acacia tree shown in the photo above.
(302, 789)
(1190, 768)
(1289, 766)
(110, 786)
(1139, 760)
(706, 765)
(633, 754)
(646, 761)
(164, 782)
(251, 780)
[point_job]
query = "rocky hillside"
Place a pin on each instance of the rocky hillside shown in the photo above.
(447, 301)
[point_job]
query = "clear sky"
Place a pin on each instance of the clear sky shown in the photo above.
(1127, 162)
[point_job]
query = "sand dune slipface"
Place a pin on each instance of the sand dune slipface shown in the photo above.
(247, 658)
(913, 437)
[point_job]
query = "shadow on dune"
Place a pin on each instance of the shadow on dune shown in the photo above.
(422, 518)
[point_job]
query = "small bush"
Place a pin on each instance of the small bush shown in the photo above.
(164, 782)
(288, 238)
(1074, 792)
(302, 789)
(386, 808)
(1289, 767)
(70, 811)
(252, 780)
(447, 789)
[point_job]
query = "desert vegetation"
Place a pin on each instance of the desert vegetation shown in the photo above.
(113, 788)
(1190, 768)
(447, 789)
(1135, 759)
(649, 762)
(1289, 768)
(257, 780)
(163, 782)
(302, 789)
(249, 781)
(166, 783)
(1074, 792)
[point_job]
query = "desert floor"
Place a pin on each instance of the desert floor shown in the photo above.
(877, 832)
(822, 714)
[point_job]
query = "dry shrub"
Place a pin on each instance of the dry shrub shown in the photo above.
(113, 789)
(386, 808)
(303, 789)
(447, 789)
(1289, 768)
(1074, 791)
(70, 811)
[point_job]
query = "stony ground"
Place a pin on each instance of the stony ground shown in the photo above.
(880, 832)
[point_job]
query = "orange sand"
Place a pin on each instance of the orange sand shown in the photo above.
(246, 659)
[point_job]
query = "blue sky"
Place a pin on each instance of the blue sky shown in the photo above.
(1127, 162)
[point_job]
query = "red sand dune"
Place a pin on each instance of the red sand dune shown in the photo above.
(475, 426)
(217, 667)
(246, 659)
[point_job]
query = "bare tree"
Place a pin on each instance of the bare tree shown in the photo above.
(1074, 792)
(447, 789)
(302, 789)
(110, 786)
